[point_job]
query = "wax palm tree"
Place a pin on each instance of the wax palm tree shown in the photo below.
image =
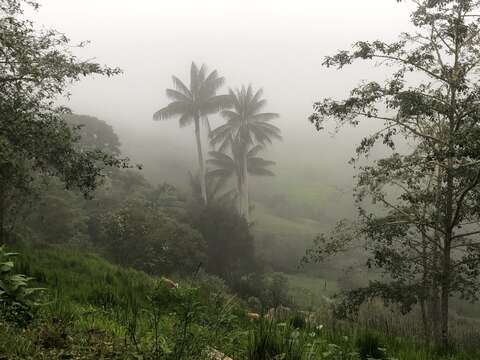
(217, 191)
(192, 103)
(227, 167)
(245, 128)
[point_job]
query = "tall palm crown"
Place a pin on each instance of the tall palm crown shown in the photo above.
(192, 103)
(246, 125)
(245, 128)
(197, 100)
(226, 166)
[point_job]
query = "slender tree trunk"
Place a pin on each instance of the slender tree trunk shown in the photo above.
(445, 297)
(434, 292)
(425, 322)
(201, 161)
(244, 201)
(434, 311)
(446, 260)
(425, 291)
(2, 217)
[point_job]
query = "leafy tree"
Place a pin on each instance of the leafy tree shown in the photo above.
(36, 67)
(230, 248)
(94, 133)
(58, 216)
(246, 127)
(192, 103)
(226, 167)
(145, 238)
(429, 195)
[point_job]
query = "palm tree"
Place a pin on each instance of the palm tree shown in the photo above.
(192, 103)
(227, 167)
(245, 128)
(216, 191)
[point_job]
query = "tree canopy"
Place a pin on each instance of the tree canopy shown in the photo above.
(36, 68)
(424, 228)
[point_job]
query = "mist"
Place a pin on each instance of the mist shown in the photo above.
(269, 44)
(336, 212)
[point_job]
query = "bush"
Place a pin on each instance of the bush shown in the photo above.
(297, 321)
(17, 299)
(230, 248)
(270, 290)
(147, 239)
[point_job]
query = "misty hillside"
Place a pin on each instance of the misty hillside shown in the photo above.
(240, 180)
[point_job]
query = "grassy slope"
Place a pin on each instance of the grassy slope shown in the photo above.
(266, 222)
(83, 284)
(310, 292)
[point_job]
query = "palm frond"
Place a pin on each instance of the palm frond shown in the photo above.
(179, 85)
(215, 104)
(185, 120)
(260, 172)
(230, 115)
(176, 95)
(219, 155)
(255, 107)
(258, 162)
(223, 173)
(193, 77)
(254, 150)
(258, 95)
(265, 117)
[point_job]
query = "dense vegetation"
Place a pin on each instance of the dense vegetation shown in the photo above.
(99, 262)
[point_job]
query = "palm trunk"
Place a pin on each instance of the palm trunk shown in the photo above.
(244, 202)
(201, 162)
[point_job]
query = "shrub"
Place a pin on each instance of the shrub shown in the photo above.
(17, 299)
(297, 321)
(147, 239)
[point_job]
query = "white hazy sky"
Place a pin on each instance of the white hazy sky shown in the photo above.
(276, 44)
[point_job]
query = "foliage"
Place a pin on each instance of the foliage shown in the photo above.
(245, 128)
(18, 300)
(191, 103)
(58, 216)
(229, 241)
(36, 67)
(94, 133)
(145, 238)
(421, 228)
(78, 323)
(269, 341)
(226, 167)
(270, 290)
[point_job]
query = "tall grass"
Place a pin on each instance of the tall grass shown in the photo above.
(99, 310)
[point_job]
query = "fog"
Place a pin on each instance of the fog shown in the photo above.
(276, 45)
(253, 249)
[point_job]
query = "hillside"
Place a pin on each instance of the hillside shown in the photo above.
(96, 310)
